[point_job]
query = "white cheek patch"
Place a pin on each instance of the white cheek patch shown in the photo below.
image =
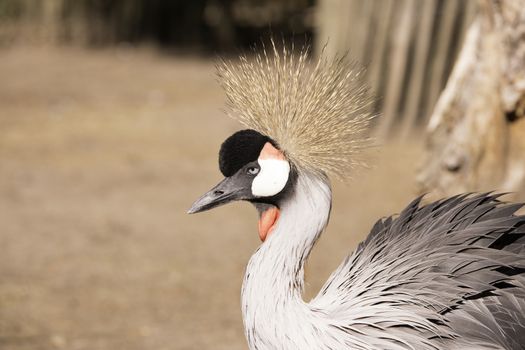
(271, 178)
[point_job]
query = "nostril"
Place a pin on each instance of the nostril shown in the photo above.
(218, 193)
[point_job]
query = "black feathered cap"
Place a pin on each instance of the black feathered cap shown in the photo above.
(240, 149)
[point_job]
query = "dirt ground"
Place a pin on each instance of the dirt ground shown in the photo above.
(101, 154)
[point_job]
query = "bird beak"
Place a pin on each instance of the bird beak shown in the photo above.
(226, 191)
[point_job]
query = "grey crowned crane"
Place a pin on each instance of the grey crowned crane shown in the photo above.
(445, 275)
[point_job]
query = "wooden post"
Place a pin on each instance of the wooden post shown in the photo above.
(476, 134)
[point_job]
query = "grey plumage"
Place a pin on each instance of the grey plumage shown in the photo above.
(448, 272)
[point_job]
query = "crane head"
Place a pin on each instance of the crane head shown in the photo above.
(254, 170)
(305, 116)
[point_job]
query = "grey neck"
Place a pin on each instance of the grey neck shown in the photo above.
(274, 280)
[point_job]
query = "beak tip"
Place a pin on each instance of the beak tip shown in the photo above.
(192, 210)
(224, 192)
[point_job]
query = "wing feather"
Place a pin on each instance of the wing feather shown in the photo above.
(451, 269)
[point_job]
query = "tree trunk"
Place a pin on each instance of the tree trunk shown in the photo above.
(476, 134)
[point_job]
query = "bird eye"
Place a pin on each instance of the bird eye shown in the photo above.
(252, 170)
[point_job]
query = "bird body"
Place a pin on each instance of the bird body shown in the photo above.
(431, 278)
(445, 275)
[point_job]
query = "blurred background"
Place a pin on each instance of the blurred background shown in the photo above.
(110, 124)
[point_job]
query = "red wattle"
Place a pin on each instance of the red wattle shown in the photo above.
(267, 222)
